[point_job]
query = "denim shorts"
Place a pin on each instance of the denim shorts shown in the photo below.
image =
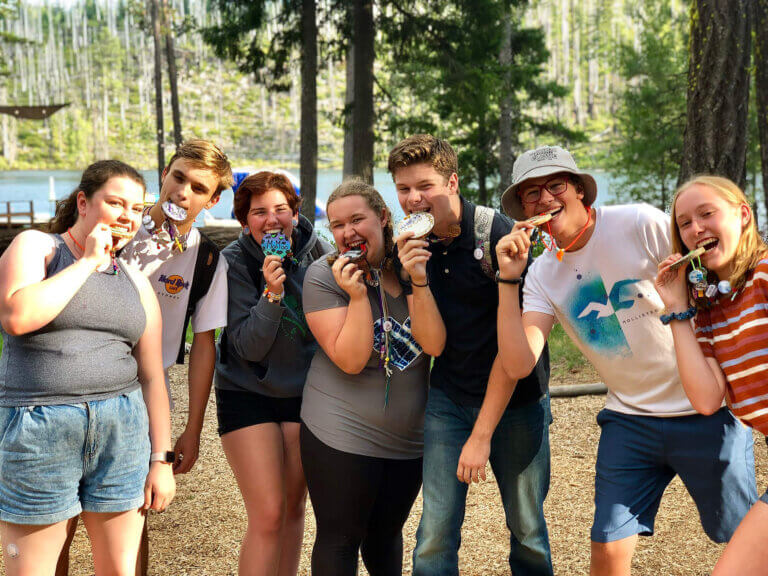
(638, 456)
(56, 461)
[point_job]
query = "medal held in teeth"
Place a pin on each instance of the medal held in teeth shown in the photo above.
(420, 223)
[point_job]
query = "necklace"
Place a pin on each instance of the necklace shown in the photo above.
(561, 251)
(79, 246)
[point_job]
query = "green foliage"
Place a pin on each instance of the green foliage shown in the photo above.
(447, 80)
(652, 112)
(565, 357)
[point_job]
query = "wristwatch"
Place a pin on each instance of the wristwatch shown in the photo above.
(167, 457)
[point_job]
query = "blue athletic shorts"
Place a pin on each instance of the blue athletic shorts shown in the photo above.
(638, 457)
(56, 461)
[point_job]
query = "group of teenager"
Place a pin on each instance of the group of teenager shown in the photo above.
(366, 371)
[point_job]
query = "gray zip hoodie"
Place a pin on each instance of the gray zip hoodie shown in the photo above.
(266, 347)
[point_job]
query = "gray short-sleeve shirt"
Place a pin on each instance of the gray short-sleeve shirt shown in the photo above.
(346, 411)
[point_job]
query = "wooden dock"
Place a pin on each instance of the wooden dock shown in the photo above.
(11, 219)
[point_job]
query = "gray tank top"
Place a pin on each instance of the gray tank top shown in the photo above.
(84, 353)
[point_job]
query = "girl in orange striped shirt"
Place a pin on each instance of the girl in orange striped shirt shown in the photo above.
(723, 355)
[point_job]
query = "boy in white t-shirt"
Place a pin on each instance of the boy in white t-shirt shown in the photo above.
(193, 180)
(596, 279)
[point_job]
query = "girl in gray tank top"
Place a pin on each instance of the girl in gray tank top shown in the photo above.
(82, 391)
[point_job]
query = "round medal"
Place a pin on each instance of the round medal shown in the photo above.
(276, 244)
(695, 276)
(724, 287)
(420, 223)
(174, 212)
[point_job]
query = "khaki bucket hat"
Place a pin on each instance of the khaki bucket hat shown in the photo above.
(543, 162)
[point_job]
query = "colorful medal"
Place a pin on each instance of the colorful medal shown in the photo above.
(276, 244)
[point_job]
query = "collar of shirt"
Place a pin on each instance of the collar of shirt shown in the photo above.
(466, 239)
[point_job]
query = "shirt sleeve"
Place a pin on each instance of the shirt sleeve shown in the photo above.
(320, 291)
(653, 229)
(701, 324)
(211, 310)
(533, 296)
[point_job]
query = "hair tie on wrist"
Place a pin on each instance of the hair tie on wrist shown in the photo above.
(420, 285)
(687, 315)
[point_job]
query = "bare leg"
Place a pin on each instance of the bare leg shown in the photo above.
(296, 498)
(62, 567)
(255, 455)
(142, 562)
(32, 550)
(747, 552)
(115, 539)
(613, 558)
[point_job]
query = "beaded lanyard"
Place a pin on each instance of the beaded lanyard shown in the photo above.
(386, 327)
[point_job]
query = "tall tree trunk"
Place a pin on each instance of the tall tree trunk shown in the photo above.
(362, 111)
(506, 153)
(308, 143)
(349, 103)
(170, 54)
(761, 85)
(154, 9)
(716, 128)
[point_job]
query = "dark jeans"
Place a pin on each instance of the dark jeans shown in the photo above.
(360, 503)
(520, 461)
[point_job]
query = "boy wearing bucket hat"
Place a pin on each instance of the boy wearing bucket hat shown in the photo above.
(597, 279)
(474, 412)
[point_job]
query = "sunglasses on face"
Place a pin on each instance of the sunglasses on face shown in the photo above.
(531, 193)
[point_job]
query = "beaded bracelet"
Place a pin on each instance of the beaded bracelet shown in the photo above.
(687, 315)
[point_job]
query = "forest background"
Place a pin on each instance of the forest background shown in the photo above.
(615, 81)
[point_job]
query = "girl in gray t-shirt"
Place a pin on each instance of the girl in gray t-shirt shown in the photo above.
(366, 390)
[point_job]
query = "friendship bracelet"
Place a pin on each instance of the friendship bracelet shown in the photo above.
(687, 315)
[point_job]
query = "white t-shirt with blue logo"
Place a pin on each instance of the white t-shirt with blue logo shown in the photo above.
(170, 273)
(604, 296)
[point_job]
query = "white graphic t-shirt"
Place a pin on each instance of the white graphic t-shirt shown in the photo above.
(170, 274)
(604, 297)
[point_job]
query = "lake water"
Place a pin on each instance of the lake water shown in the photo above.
(25, 185)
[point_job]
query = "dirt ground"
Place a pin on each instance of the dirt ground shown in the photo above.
(201, 531)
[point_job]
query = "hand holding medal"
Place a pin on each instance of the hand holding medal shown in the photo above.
(411, 246)
(276, 246)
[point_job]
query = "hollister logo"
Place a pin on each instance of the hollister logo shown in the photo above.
(173, 284)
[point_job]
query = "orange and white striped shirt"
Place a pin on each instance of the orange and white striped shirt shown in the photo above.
(735, 333)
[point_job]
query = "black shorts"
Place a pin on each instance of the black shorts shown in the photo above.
(237, 410)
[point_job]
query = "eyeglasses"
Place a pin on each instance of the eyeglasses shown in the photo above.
(532, 192)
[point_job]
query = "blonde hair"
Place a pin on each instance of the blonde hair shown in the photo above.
(205, 155)
(357, 187)
(751, 248)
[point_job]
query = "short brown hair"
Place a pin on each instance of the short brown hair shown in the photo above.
(424, 148)
(206, 155)
(261, 183)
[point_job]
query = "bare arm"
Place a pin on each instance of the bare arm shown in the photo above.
(427, 324)
(160, 487)
(202, 361)
(477, 449)
(29, 300)
(346, 333)
(702, 378)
